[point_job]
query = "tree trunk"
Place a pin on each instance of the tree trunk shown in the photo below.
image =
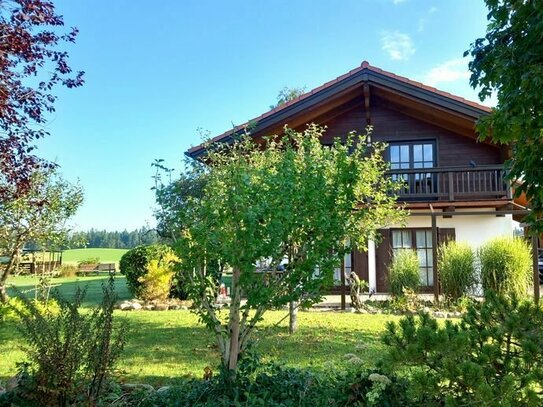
(4, 273)
(3, 294)
(293, 317)
(234, 322)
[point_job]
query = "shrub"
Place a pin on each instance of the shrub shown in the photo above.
(18, 306)
(491, 358)
(409, 301)
(456, 268)
(279, 386)
(506, 266)
(157, 282)
(136, 263)
(68, 270)
(90, 260)
(69, 352)
(403, 272)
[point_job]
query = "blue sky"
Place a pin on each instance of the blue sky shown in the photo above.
(158, 71)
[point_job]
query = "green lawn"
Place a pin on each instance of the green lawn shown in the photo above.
(105, 255)
(67, 286)
(164, 345)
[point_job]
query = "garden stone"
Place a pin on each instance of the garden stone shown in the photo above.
(149, 307)
(125, 306)
(440, 314)
(184, 308)
(135, 306)
(457, 314)
(161, 307)
(426, 310)
(174, 307)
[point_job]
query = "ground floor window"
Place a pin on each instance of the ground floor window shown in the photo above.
(347, 268)
(419, 240)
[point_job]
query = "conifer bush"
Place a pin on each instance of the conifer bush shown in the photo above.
(403, 273)
(491, 358)
(456, 268)
(506, 266)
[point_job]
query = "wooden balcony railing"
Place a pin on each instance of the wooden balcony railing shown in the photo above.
(452, 183)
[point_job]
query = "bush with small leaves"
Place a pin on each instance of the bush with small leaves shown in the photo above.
(506, 266)
(274, 385)
(70, 353)
(156, 284)
(147, 269)
(456, 268)
(403, 273)
(491, 358)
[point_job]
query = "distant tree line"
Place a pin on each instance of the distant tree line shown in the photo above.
(94, 238)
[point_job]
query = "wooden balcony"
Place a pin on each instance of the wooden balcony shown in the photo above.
(452, 184)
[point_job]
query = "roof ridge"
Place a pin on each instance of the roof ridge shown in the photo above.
(365, 65)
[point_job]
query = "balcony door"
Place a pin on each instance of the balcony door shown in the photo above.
(409, 157)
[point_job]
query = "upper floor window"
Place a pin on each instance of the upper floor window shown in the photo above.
(410, 155)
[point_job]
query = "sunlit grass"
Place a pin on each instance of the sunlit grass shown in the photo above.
(162, 346)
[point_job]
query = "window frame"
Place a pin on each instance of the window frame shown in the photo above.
(411, 144)
(428, 269)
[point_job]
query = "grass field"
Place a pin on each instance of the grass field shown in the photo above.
(105, 255)
(67, 286)
(164, 345)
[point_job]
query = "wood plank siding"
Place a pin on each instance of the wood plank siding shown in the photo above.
(392, 125)
(447, 168)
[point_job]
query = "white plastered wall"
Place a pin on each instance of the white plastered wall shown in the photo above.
(472, 229)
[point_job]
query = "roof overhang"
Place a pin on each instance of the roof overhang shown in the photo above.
(347, 84)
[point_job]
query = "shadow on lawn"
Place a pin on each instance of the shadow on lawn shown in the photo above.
(68, 288)
(164, 347)
(159, 353)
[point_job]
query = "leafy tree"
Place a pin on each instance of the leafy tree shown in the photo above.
(112, 239)
(509, 61)
(287, 94)
(174, 198)
(290, 200)
(31, 65)
(39, 215)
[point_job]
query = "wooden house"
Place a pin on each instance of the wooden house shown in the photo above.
(455, 185)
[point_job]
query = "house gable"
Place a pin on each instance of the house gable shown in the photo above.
(371, 91)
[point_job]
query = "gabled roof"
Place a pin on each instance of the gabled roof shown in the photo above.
(364, 74)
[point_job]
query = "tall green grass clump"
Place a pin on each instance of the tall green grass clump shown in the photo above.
(456, 268)
(506, 266)
(403, 272)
